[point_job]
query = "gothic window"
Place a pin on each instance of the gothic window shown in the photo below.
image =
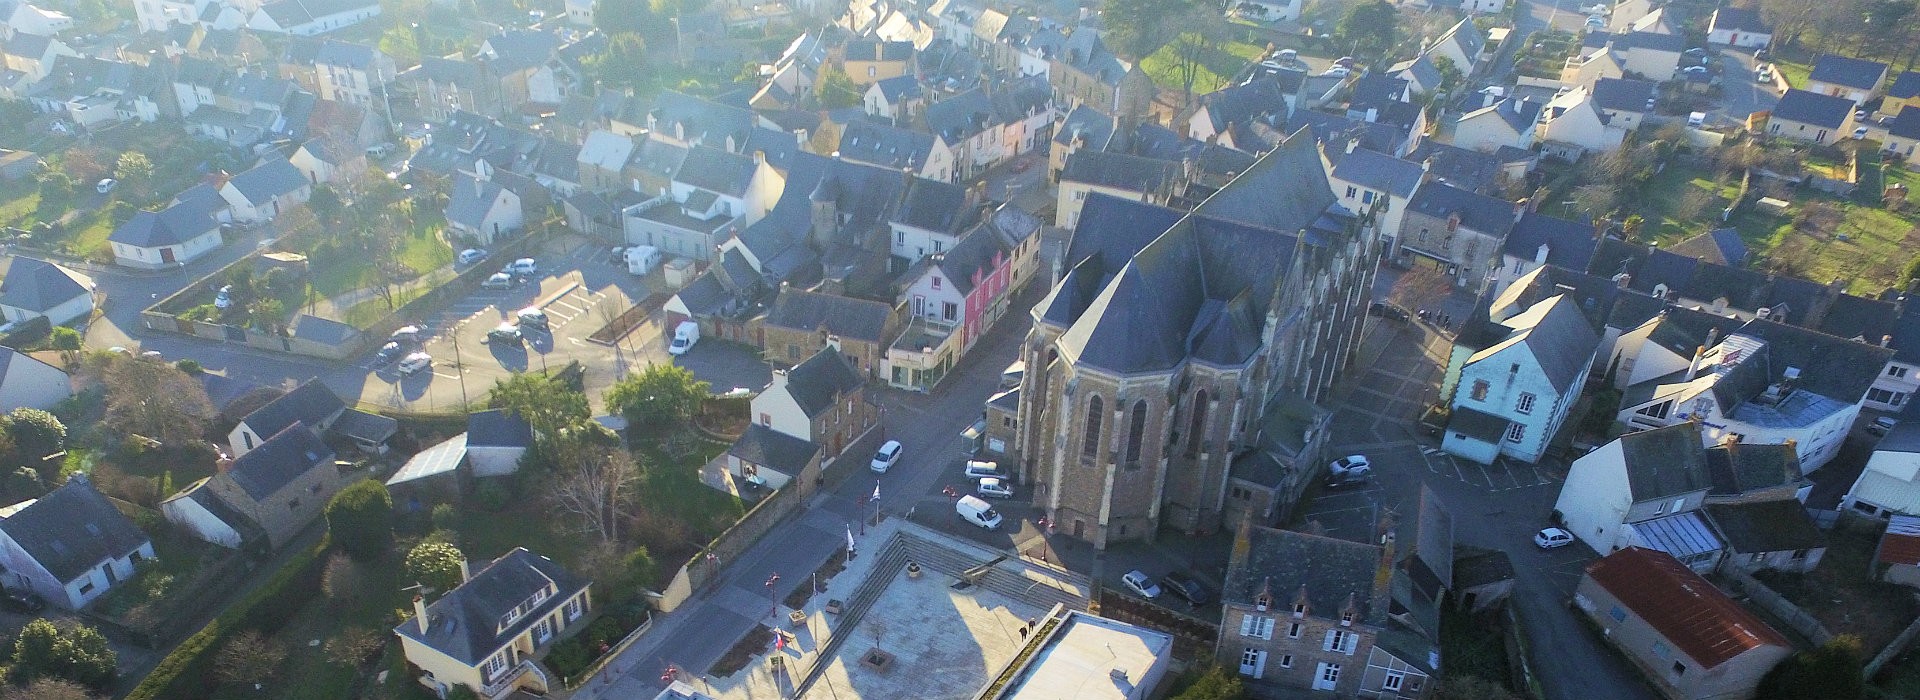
(1091, 447)
(1136, 431)
(1199, 426)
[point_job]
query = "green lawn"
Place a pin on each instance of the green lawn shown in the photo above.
(1217, 66)
(421, 250)
(22, 203)
(1794, 64)
(307, 673)
(529, 522)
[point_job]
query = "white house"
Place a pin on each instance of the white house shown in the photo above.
(172, 236)
(1626, 492)
(1572, 124)
(312, 403)
(496, 440)
(486, 633)
(1803, 115)
(28, 18)
(1267, 10)
(1898, 383)
(1855, 79)
(1463, 44)
(1739, 28)
(1766, 382)
(1890, 485)
(29, 383)
(69, 546)
(351, 73)
(201, 512)
(1361, 177)
(1536, 241)
(1508, 122)
(310, 17)
(930, 219)
(480, 208)
(1524, 383)
(34, 288)
(264, 191)
(324, 160)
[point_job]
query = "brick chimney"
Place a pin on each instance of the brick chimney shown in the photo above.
(420, 612)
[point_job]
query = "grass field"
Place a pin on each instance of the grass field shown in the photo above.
(1217, 66)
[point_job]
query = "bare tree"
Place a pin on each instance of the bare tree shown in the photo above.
(248, 658)
(48, 689)
(155, 400)
(1417, 287)
(592, 488)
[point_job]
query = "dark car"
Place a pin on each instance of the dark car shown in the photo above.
(1388, 311)
(389, 352)
(1186, 588)
(22, 602)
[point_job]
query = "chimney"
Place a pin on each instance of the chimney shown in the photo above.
(1373, 114)
(779, 379)
(906, 179)
(1886, 340)
(1540, 256)
(1519, 210)
(1353, 144)
(1713, 337)
(464, 573)
(1693, 367)
(759, 157)
(420, 611)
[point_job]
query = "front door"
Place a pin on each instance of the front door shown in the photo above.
(1253, 662)
(1326, 676)
(166, 255)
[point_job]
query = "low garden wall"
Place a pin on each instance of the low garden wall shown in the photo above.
(730, 544)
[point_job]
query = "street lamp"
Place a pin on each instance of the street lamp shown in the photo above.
(772, 605)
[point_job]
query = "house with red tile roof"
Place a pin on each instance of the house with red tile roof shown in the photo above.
(1691, 640)
(1899, 551)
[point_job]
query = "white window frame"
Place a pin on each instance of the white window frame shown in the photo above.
(1253, 662)
(1525, 404)
(1516, 432)
(1394, 680)
(1256, 626)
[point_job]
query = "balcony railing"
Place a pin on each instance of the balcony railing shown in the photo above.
(507, 680)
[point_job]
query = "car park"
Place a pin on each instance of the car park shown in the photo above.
(505, 333)
(1350, 465)
(994, 488)
(888, 455)
(1552, 538)
(1186, 588)
(1141, 584)
(977, 469)
(470, 256)
(415, 363)
(534, 316)
(499, 280)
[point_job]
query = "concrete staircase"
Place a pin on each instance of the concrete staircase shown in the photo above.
(893, 557)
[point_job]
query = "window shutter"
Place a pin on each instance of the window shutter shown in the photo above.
(1350, 642)
(1260, 665)
(1332, 636)
(1246, 625)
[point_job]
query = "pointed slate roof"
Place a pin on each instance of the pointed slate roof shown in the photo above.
(819, 381)
(266, 469)
(39, 286)
(73, 529)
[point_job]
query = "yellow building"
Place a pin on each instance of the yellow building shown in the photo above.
(489, 632)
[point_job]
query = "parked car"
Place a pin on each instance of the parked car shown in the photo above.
(1859, 132)
(977, 469)
(994, 488)
(523, 267)
(470, 256)
(1552, 538)
(1350, 465)
(1346, 62)
(1352, 479)
(224, 298)
(388, 353)
(534, 316)
(1597, 9)
(1596, 23)
(1881, 425)
(105, 185)
(405, 334)
(1186, 588)
(1336, 72)
(1388, 311)
(503, 333)
(499, 280)
(415, 363)
(1762, 55)
(1695, 52)
(1140, 583)
(1694, 70)
(21, 602)
(888, 455)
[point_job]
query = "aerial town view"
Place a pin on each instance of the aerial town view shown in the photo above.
(959, 349)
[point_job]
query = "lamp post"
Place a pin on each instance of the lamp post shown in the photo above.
(773, 606)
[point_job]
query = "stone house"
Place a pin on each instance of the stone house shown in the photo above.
(801, 323)
(822, 400)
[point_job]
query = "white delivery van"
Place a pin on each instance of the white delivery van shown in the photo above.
(976, 511)
(641, 259)
(684, 336)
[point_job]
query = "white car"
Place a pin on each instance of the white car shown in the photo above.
(522, 267)
(415, 363)
(984, 470)
(991, 487)
(470, 256)
(1552, 538)
(1351, 465)
(224, 298)
(1596, 9)
(106, 185)
(1141, 584)
(1336, 72)
(888, 455)
(499, 280)
(1596, 23)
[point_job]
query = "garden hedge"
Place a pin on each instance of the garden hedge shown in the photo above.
(183, 674)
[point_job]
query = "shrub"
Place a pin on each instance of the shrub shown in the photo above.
(444, 517)
(190, 366)
(360, 518)
(435, 565)
(569, 658)
(492, 495)
(68, 651)
(184, 673)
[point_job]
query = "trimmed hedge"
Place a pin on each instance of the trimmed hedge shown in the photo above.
(184, 673)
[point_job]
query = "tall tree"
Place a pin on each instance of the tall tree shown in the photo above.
(435, 564)
(1205, 31)
(155, 400)
(1137, 28)
(360, 520)
(835, 89)
(658, 395)
(542, 400)
(35, 433)
(623, 65)
(618, 16)
(134, 170)
(1369, 29)
(592, 486)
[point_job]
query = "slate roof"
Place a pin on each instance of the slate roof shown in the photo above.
(1086, 122)
(470, 199)
(1479, 425)
(1745, 467)
(847, 317)
(1813, 108)
(1286, 190)
(1904, 437)
(959, 117)
(1849, 72)
(1685, 609)
(361, 425)
(900, 87)
(1421, 69)
(1623, 95)
(932, 205)
(1330, 573)
(1739, 19)
(1859, 318)
(1474, 567)
(1665, 462)
(322, 330)
(271, 178)
(292, 13)
(340, 53)
(772, 449)
(1779, 525)
(498, 428)
(716, 170)
(73, 529)
(1519, 115)
(39, 286)
(311, 403)
(1462, 167)
(1120, 171)
(273, 464)
(1569, 244)
(1238, 104)
(1835, 368)
(972, 255)
(465, 623)
(1682, 330)
(1088, 54)
(1904, 86)
(821, 380)
(1375, 170)
(1478, 212)
(883, 145)
(1557, 335)
(1721, 246)
(1466, 35)
(170, 226)
(1906, 124)
(515, 50)
(700, 120)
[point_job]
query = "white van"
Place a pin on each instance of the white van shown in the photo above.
(976, 511)
(684, 337)
(641, 259)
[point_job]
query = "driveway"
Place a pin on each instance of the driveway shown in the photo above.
(1740, 95)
